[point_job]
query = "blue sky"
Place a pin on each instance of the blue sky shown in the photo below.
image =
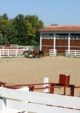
(49, 11)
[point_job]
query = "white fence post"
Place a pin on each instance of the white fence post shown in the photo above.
(16, 52)
(46, 85)
(75, 52)
(8, 52)
(0, 53)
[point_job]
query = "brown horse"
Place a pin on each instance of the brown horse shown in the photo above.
(33, 53)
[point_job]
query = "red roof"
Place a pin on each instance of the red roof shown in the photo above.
(57, 28)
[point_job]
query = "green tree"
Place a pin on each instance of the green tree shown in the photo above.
(22, 30)
(4, 22)
(19, 25)
(1, 39)
(33, 24)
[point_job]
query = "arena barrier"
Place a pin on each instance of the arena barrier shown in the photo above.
(11, 52)
(24, 101)
(52, 52)
(63, 86)
(72, 53)
(25, 98)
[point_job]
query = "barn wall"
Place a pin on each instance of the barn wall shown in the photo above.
(61, 45)
(47, 42)
(61, 42)
(75, 42)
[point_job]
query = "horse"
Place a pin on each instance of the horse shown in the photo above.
(33, 53)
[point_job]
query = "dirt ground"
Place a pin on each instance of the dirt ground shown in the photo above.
(27, 70)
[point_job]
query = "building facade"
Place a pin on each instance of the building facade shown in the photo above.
(60, 38)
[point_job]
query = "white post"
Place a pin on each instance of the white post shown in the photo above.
(16, 52)
(75, 53)
(69, 37)
(46, 80)
(3, 50)
(40, 42)
(8, 52)
(0, 53)
(54, 44)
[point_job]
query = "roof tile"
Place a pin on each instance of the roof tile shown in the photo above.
(57, 28)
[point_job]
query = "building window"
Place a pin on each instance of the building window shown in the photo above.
(47, 36)
(75, 36)
(61, 36)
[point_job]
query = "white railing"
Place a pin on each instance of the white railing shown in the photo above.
(25, 47)
(11, 52)
(16, 101)
(16, 47)
(52, 52)
(72, 53)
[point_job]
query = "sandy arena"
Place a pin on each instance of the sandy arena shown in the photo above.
(26, 70)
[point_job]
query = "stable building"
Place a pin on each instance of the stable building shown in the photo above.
(60, 39)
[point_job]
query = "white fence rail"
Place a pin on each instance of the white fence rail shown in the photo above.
(16, 101)
(52, 52)
(25, 47)
(72, 53)
(11, 52)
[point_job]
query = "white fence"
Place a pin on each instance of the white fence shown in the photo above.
(52, 52)
(16, 47)
(25, 47)
(11, 52)
(72, 53)
(16, 101)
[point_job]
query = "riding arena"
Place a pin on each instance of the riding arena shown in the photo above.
(23, 89)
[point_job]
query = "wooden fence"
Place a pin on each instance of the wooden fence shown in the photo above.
(23, 101)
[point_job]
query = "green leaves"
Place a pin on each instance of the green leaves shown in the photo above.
(21, 30)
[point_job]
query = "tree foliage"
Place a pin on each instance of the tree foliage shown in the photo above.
(22, 30)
